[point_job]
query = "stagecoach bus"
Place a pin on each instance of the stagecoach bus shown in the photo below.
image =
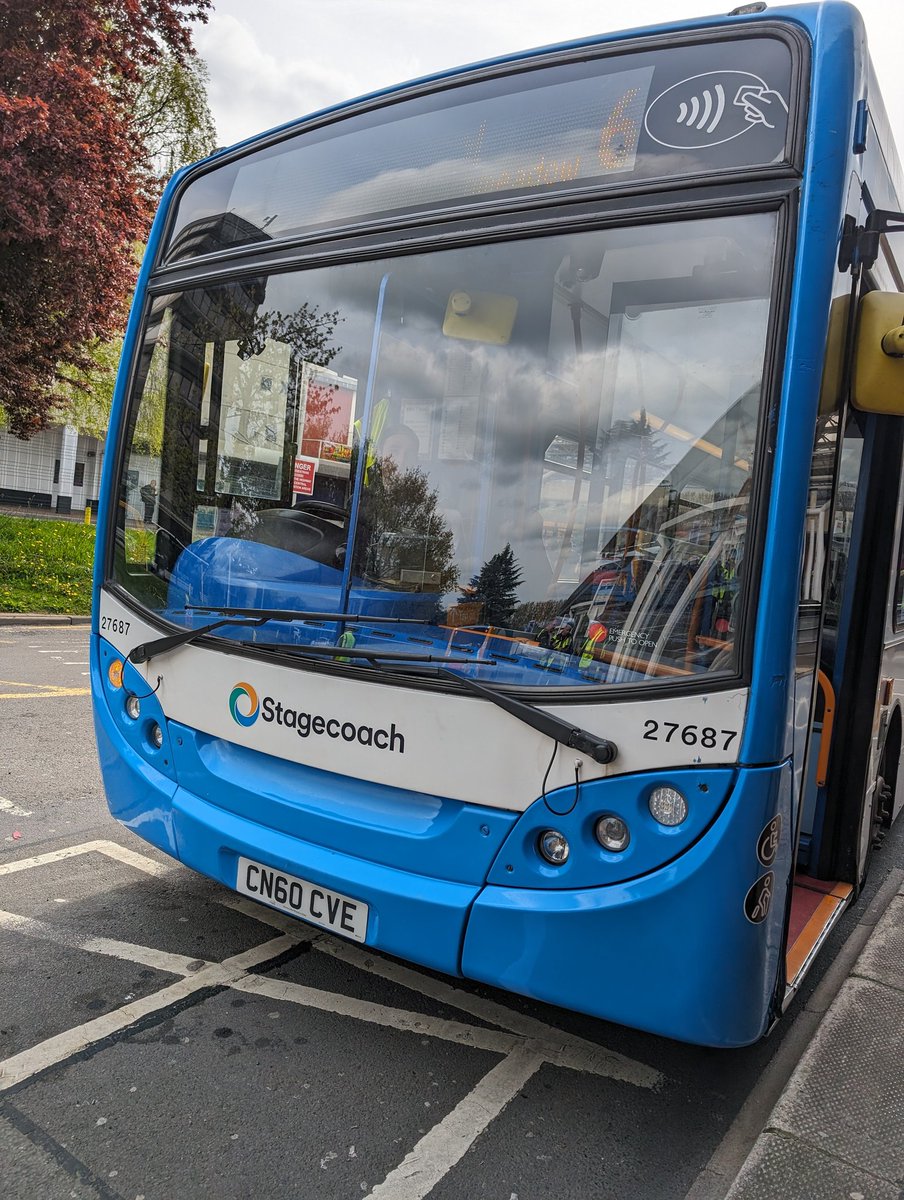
(602, 342)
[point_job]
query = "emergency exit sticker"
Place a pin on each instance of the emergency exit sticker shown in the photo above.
(303, 476)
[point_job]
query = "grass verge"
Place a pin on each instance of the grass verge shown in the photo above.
(45, 566)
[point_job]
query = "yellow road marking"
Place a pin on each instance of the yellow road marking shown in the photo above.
(45, 695)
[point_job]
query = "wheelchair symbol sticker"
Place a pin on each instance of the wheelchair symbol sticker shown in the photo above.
(714, 108)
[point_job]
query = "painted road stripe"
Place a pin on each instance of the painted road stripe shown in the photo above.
(64, 1045)
(571, 1050)
(567, 1049)
(146, 956)
(111, 849)
(441, 1147)
(54, 695)
(12, 810)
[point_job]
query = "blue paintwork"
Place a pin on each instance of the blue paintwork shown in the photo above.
(671, 952)
(575, 815)
(425, 866)
(670, 949)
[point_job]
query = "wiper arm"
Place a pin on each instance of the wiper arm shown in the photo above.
(254, 617)
(294, 614)
(599, 749)
(146, 650)
(374, 656)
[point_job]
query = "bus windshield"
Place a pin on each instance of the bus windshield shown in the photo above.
(537, 453)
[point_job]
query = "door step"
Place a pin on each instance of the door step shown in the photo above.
(816, 904)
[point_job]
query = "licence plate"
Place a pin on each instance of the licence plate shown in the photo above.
(319, 905)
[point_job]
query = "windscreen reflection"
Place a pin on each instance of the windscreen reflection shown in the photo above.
(538, 454)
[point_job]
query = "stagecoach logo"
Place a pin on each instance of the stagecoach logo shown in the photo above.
(244, 694)
(713, 108)
(246, 708)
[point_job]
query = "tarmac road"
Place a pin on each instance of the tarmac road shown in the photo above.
(162, 1037)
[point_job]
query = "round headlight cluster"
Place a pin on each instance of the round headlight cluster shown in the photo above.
(156, 736)
(612, 833)
(133, 707)
(553, 846)
(667, 806)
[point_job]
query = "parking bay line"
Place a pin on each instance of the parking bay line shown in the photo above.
(443, 1145)
(569, 1049)
(450, 1139)
(57, 1049)
(123, 854)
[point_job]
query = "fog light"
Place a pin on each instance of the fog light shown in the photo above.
(553, 846)
(668, 806)
(114, 673)
(133, 708)
(157, 735)
(612, 833)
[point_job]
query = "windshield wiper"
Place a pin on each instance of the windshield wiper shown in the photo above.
(347, 652)
(252, 617)
(294, 614)
(601, 750)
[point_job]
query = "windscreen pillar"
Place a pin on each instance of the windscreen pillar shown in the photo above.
(68, 445)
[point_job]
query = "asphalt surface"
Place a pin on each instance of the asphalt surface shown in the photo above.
(162, 1037)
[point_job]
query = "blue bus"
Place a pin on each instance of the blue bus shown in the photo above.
(500, 559)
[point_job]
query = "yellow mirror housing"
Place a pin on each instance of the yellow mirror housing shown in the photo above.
(877, 384)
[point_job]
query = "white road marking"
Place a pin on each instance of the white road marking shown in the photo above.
(111, 849)
(146, 956)
(441, 1147)
(567, 1049)
(57, 1049)
(76, 664)
(577, 1049)
(12, 810)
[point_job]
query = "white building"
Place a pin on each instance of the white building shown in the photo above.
(58, 469)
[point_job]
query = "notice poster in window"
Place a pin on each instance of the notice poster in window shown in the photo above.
(303, 476)
(327, 413)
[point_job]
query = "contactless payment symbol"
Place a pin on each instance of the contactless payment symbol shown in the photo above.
(244, 695)
(713, 108)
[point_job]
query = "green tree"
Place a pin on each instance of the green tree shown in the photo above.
(171, 116)
(496, 587)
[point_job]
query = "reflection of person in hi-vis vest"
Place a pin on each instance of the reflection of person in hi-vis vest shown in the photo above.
(378, 421)
(596, 634)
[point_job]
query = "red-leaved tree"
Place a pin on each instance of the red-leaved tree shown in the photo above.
(76, 192)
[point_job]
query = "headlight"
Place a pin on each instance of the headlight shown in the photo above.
(612, 833)
(667, 806)
(157, 736)
(553, 846)
(133, 708)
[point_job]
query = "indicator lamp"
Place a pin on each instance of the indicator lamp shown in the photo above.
(133, 708)
(114, 672)
(668, 806)
(553, 846)
(612, 833)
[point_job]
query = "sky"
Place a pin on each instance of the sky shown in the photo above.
(271, 61)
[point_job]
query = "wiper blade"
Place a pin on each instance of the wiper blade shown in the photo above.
(601, 750)
(253, 617)
(294, 614)
(375, 655)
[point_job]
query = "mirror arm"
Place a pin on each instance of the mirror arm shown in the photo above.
(880, 221)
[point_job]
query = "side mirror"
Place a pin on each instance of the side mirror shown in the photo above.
(878, 375)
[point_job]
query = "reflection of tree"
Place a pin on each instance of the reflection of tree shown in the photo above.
(319, 411)
(307, 331)
(401, 529)
(495, 586)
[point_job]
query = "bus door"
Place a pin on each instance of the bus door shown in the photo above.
(851, 771)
